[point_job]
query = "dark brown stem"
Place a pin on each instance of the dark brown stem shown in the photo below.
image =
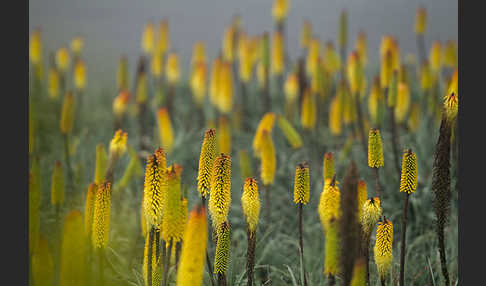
(221, 279)
(301, 244)
(331, 280)
(383, 282)
(177, 254)
(403, 238)
(250, 256)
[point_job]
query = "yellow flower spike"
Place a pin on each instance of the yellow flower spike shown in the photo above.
(122, 77)
(101, 215)
(266, 123)
(53, 83)
(220, 195)
(143, 220)
(362, 196)
(229, 44)
(224, 136)
(408, 179)
(375, 149)
(225, 90)
(198, 83)
(362, 48)
(268, 158)
(335, 116)
(403, 102)
(383, 250)
(72, 269)
(370, 214)
(246, 61)
(332, 248)
(166, 133)
(183, 218)
(308, 113)
(156, 264)
(163, 43)
(291, 88)
(206, 162)
(57, 186)
(148, 38)
(118, 145)
(222, 254)
(395, 49)
(290, 133)
(120, 103)
(172, 205)
(193, 252)
(42, 263)
(278, 62)
(155, 185)
(35, 47)
(343, 29)
(79, 75)
(156, 64)
(329, 203)
(89, 209)
(214, 84)
(280, 9)
(451, 105)
(436, 56)
(312, 59)
(359, 273)
(421, 21)
(328, 166)
(355, 72)
(376, 103)
(414, 118)
(450, 54)
(67, 114)
(302, 184)
(198, 53)
(306, 34)
(77, 44)
(426, 77)
(331, 58)
(250, 203)
(141, 91)
(62, 59)
(386, 70)
(173, 69)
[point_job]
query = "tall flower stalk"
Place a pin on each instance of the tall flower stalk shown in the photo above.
(250, 202)
(301, 197)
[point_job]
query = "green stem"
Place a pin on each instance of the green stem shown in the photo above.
(301, 244)
(403, 238)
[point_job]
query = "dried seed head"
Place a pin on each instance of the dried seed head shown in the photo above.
(375, 149)
(222, 254)
(193, 252)
(220, 195)
(383, 250)
(408, 181)
(302, 184)
(206, 162)
(101, 215)
(166, 133)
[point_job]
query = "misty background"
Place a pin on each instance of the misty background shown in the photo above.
(111, 28)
